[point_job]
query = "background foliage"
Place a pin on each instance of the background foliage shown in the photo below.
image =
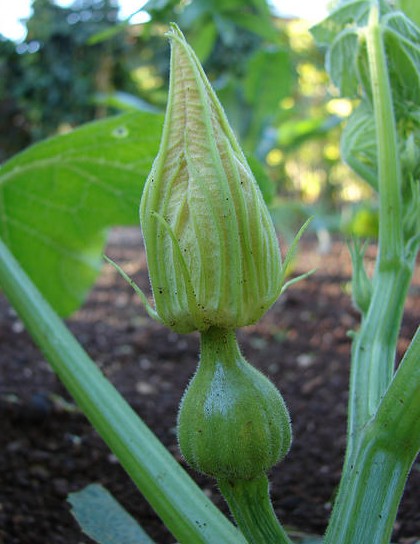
(81, 63)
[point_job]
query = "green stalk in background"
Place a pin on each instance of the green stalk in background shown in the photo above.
(381, 447)
(375, 344)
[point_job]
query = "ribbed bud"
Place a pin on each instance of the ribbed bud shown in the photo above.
(212, 251)
(233, 423)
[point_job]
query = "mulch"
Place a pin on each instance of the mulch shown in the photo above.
(48, 449)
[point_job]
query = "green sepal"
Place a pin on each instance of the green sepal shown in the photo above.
(149, 308)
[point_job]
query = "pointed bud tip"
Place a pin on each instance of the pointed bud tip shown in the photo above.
(174, 32)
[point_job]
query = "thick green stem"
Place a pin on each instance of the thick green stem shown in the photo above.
(378, 458)
(389, 168)
(249, 502)
(373, 355)
(400, 408)
(373, 481)
(373, 351)
(185, 510)
(370, 492)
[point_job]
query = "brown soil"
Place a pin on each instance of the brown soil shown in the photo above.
(48, 449)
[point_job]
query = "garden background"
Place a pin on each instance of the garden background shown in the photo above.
(80, 63)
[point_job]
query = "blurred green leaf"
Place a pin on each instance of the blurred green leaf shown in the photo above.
(288, 216)
(402, 41)
(364, 223)
(412, 9)
(358, 144)
(265, 184)
(203, 40)
(58, 197)
(257, 25)
(351, 14)
(108, 33)
(269, 78)
(295, 132)
(125, 102)
(230, 94)
(341, 62)
(103, 519)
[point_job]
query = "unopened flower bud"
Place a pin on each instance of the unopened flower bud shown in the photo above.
(212, 250)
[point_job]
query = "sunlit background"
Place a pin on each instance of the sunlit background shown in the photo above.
(12, 13)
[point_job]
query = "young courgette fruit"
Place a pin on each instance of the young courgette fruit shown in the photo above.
(233, 423)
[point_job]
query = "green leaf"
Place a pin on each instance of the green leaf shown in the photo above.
(269, 78)
(257, 25)
(203, 39)
(265, 184)
(125, 102)
(341, 62)
(352, 14)
(58, 197)
(230, 94)
(358, 144)
(103, 519)
(108, 33)
(412, 9)
(402, 41)
(295, 132)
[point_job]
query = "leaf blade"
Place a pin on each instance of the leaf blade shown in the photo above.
(103, 519)
(58, 197)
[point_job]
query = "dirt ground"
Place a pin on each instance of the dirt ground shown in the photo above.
(48, 449)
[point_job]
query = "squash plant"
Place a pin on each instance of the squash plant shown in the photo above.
(215, 266)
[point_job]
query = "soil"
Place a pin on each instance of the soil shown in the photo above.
(48, 449)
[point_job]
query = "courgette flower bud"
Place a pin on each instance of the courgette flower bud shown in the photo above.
(212, 251)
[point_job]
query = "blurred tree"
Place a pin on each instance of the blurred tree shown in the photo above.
(245, 55)
(14, 128)
(53, 77)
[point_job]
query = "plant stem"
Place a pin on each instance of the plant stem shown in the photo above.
(389, 169)
(370, 492)
(373, 354)
(249, 502)
(400, 408)
(381, 447)
(373, 483)
(373, 350)
(179, 502)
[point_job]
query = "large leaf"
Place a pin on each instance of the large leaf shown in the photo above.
(58, 197)
(103, 519)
